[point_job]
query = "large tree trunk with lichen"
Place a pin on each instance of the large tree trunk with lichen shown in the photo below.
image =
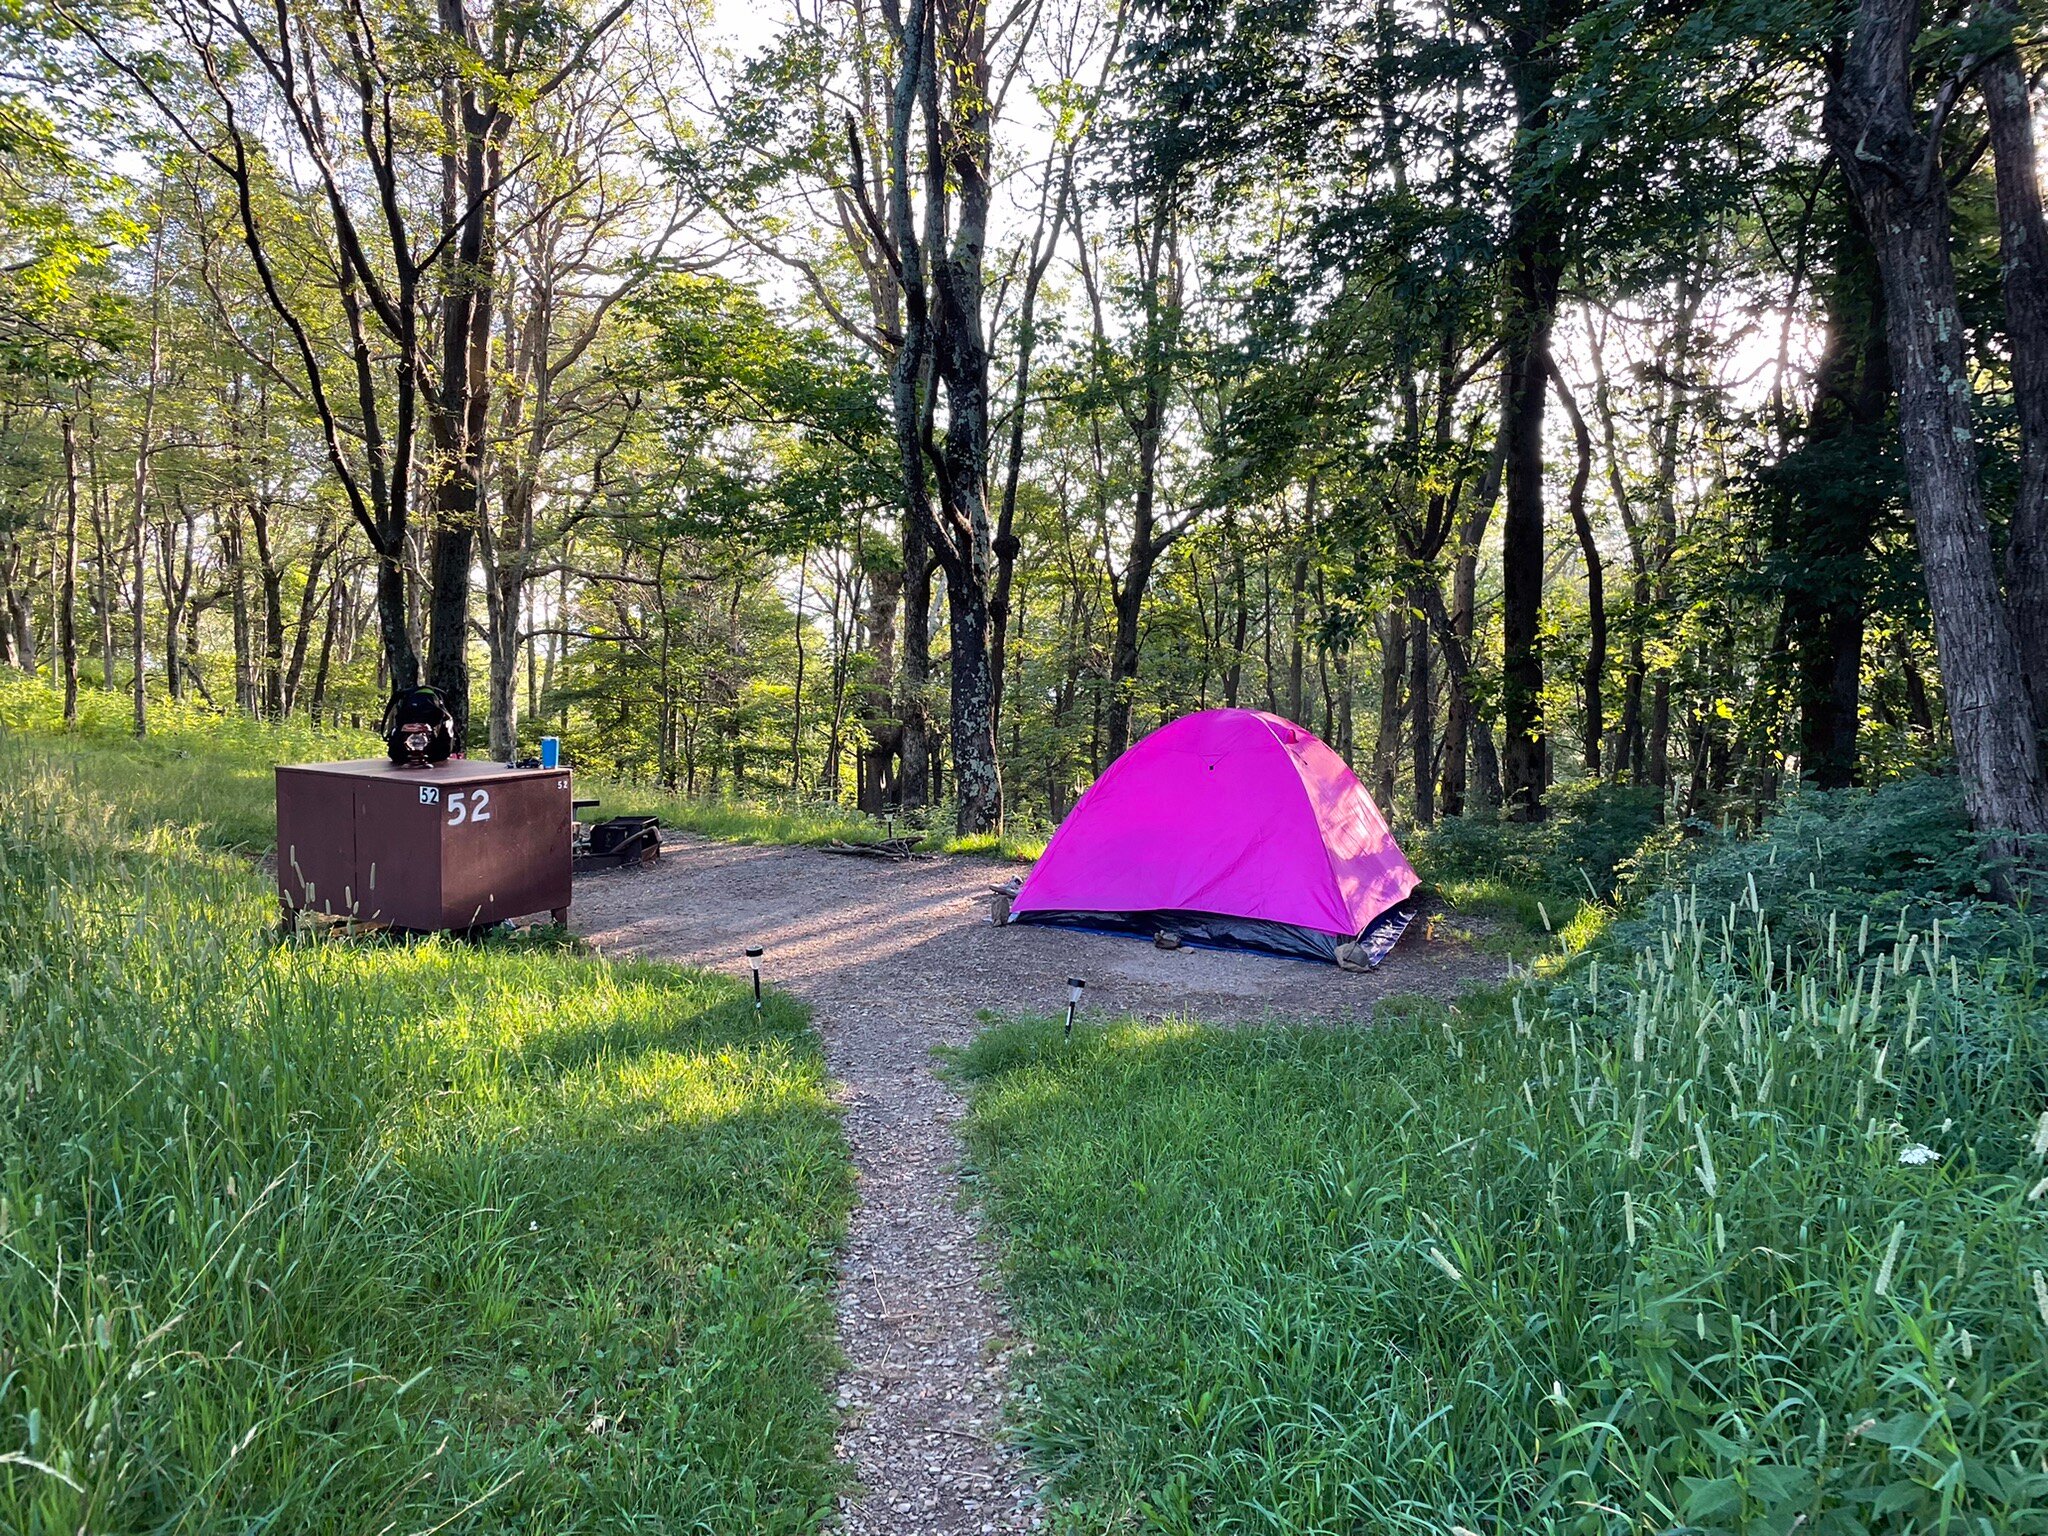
(2023, 248)
(1895, 173)
(945, 347)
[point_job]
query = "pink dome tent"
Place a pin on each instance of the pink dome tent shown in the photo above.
(1233, 828)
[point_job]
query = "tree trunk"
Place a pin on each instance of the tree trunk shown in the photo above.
(876, 707)
(1528, 365)
(1422, 721)
(1467, 735)
(1458, 711)
(532, 650)
(271, 573)
(398, 652)
(1268, 674)
(238, 611)
(796, 724)
(977, 780)
(1128, 600)
(1829, 515)
(915, 747)
(1393, 662)
(103, 553)
(66, 621)
(1657, 749)
(1896, 175)
(1129, 596)
(1233, 678)
(1345, 744)
(2023, 248)
(1593, 678)
(474, 123)
(1535, 259)
(504, 601)
(1297, 617)
(174, 563)
(139, 495)
(302, 631)
(337, 598)
(19, 618)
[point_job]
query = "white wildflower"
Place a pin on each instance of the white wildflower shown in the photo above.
(1918, 1155)
(2041, 1296)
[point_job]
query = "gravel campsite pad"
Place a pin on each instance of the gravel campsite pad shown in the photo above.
(894, 959)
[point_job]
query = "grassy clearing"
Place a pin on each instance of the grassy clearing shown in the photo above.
(1653, 1247)
(802, 819)
(335, 1238)
(217, 769)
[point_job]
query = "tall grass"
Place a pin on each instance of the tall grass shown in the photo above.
(212, 769)
(1730, 1233)
(330, 1237)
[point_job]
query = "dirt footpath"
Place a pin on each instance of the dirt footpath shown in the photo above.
(895, 959)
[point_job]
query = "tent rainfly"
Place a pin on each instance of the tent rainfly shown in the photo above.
(1233, 828)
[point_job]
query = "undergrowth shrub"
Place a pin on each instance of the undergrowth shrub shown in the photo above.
(1904, 849)
(1593, 831)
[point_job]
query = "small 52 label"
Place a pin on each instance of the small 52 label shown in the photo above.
(430, 794)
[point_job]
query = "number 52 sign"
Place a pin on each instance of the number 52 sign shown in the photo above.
(464, 805)
(468, 805)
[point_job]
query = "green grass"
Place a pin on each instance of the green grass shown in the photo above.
(217, 767)
(346, 1237)
(1634, 1250)
(209, 770)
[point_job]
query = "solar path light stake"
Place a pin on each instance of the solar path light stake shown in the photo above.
(754, 959)
(1074, 986)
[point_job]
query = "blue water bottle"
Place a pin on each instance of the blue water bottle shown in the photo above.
(551, 751)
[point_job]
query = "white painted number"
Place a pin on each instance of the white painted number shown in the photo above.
(475, 807)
